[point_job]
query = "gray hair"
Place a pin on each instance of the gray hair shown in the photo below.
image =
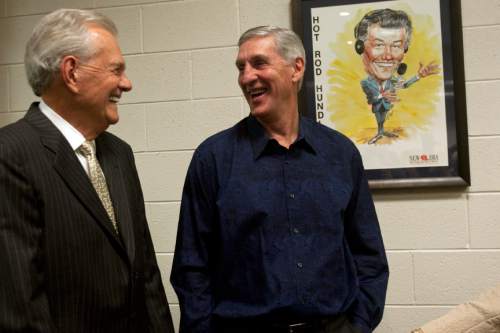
(60, 33)
(385, 18)
(288, 45)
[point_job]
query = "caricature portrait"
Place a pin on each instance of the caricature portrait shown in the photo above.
(383, 37)
(378, 78)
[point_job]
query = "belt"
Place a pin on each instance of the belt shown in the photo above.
(299, 326)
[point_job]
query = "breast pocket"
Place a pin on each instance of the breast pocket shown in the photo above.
(329, 195)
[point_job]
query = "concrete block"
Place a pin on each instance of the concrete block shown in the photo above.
(400, 288)
(165, 265)
(482, 61)
(21, 95)
(484, 220)
(423, 220)
(163, 219)
(189, 25)
(162, 174)
(183, 125)
(265, 12)
(3, 8)
(158, 77)
(4, 89)
(480, 12)
(15, 33)
(403, 319)
(128, 22)
(10, 117)
(454, 277)
(110, 3)
(484, 163)
(132, 126)
(214, 73)
(28, 7)
(482, 107)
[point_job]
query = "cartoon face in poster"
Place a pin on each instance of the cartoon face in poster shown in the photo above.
(380, 80)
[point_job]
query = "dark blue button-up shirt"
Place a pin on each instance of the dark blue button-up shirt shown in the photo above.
(267, 231)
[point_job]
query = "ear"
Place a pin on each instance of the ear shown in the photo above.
(69, 73)
(299, 69)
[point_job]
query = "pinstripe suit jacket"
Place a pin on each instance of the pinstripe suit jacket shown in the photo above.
(62, 267)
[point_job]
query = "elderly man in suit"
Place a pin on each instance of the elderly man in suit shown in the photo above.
(76, 252)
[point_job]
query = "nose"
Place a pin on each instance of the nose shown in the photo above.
(247, 75)
(387, 53)
(125, 84)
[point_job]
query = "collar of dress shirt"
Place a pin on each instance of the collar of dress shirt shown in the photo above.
(72, 135)
(259, 139)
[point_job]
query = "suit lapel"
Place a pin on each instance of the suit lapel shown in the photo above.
(69, 168)
(115, 178)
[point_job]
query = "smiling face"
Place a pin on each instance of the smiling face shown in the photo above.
(269, 83)
(384, 51)
(102, 80)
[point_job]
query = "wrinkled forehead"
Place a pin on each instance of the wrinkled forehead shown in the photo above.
(267, 43)
(263, 46)
(375, 31)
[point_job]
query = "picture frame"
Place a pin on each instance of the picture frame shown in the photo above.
(420, 139)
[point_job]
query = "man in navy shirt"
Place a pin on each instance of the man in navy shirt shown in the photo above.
(277, 231)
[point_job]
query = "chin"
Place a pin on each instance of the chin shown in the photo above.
(258, 112)
(383, 76)
(112, 117)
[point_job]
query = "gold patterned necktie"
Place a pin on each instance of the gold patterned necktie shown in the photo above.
(97, 179)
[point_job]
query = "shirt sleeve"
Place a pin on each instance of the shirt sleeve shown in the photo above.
(190, 275)
(411, 81)
(366, 245)
(23, 300)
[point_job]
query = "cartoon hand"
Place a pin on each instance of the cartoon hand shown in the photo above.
(430, 69)
(390, 95)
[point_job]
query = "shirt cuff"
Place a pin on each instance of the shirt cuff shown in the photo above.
(361, 327)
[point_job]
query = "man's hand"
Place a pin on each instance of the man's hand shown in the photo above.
(429, 69)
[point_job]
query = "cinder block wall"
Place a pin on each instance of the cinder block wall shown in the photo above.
(443, 245)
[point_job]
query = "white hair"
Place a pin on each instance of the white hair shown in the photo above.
(60, 33)
(288, 45)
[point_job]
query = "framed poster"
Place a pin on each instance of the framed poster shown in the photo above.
(390, 76)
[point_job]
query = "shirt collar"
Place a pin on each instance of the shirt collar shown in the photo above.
(259, 139)
(72, 135)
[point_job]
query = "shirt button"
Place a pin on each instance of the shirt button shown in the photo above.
(299, 265)
(292, 196)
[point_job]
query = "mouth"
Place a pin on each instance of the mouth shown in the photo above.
(255, 92)
(114, 99)
(385, 65)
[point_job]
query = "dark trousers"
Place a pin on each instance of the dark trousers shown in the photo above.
(338, 324)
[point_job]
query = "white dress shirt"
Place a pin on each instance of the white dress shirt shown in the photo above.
(72, 135)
